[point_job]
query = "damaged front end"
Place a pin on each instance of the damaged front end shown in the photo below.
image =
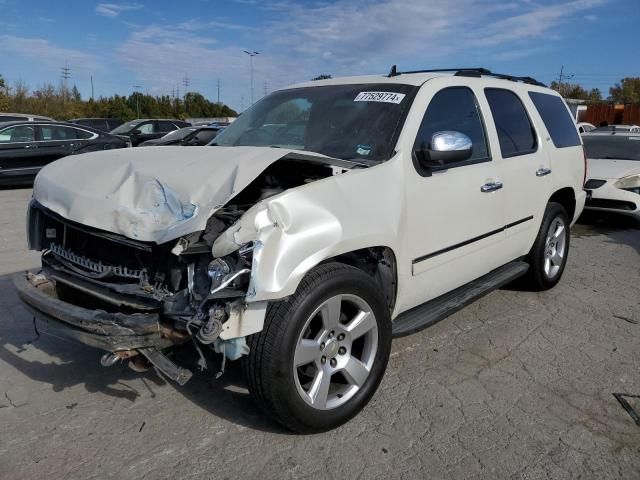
(135, 299)
(129, 297)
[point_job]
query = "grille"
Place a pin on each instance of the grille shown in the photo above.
(96, 267)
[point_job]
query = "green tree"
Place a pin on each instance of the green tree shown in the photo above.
(322, 76)
(627, 91)
(4, 95)
(573, 90)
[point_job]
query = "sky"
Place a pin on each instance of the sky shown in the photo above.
(157, 45)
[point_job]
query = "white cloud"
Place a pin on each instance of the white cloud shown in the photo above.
(49, 54)
(113, 10)
(344, 37)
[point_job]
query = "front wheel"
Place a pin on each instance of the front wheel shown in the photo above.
(549, 253)
(322, 352)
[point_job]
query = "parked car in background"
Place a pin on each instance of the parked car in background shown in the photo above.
(613, 179)
(585, 127)
(26, 147)
(22, 117)
(104, 124)
(141, 130)
(188, 136)
(617, 128)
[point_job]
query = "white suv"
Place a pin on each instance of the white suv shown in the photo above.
(328, 218)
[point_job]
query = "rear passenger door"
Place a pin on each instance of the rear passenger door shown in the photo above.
(524, 166)
(54, 143)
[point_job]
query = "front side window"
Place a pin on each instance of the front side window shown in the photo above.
(455, 109)
(352, 122)
(19, 133)
(557, 119)
(145, 128)
(515, 132)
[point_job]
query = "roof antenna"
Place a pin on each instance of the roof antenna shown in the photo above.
(393, 72)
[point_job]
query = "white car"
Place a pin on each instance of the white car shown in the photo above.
(329, 217)
(613, 179)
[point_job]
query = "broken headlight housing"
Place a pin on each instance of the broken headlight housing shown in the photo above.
(630, 183)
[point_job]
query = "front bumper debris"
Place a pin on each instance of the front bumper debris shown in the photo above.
(112, 332)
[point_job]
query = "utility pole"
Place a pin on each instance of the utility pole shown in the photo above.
(66, 74)
(251, 55)
(186, 81)
(137, 93)
(91, 87)
(560, 77)
(218, 91)
(265, 89)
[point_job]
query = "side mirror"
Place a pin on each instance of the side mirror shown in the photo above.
(136, 132)
(446, 147)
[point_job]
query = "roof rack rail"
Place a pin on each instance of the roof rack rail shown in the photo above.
(470, 72)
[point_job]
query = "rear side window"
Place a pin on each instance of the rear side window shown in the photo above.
(514, 129)
(456, 109)
(82, 134)
(556, 118)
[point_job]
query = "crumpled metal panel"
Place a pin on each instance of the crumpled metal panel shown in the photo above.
(303, 226)
(153, 194)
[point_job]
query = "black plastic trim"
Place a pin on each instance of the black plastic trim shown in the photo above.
(471, 240)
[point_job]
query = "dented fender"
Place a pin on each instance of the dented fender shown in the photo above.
(302, 227)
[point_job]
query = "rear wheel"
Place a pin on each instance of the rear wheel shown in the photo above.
(549, 253)
(322, 352)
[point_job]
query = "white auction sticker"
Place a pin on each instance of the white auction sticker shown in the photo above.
(385, 97)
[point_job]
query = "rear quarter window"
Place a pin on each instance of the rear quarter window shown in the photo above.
(557, 119)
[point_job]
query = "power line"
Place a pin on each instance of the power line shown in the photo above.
(186, 81)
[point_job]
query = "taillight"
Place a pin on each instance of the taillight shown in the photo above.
(584, 154)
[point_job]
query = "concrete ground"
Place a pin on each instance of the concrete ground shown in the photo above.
(518, 385)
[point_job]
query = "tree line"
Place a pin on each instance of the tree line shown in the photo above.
(626, 91)
(64, 103)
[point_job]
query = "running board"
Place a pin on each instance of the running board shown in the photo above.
(431, 312)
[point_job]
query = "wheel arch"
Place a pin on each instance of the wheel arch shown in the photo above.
(379, 263)
(567, 198)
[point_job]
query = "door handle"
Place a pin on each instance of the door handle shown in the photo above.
(30, 146)
(542, 172)
(491, 187)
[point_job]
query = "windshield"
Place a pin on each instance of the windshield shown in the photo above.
(179, 134)
(342, 121)
(621, 147)
(125, 128)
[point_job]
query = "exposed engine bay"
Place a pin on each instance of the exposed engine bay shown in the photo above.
(193, 294)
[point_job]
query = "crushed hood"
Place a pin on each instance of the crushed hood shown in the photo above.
(606, 168)
(153, 194)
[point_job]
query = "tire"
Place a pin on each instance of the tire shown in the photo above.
(547, 260)
(302, 330)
